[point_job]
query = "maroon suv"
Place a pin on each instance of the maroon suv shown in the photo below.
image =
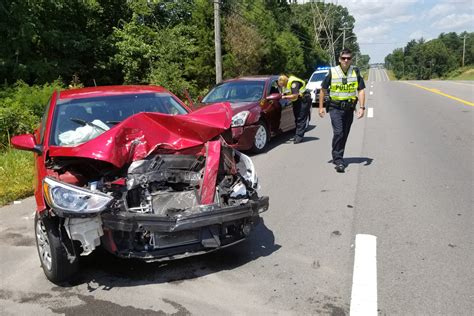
(258, 111)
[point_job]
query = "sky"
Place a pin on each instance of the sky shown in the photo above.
(383, 25)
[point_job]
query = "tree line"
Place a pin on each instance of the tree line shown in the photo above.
(53, 44)
(435, 58)
(165, 42)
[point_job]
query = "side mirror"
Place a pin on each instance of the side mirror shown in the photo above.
(26, 142)
(274, 96)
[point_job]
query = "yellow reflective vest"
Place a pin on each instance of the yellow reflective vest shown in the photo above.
(341, 91)
(292, 79)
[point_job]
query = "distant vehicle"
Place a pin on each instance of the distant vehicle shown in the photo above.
(257, 109)
(314, 83)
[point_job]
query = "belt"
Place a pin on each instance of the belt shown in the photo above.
(343, 105)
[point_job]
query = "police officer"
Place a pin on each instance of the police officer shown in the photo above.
(346, 87)
(294, 90)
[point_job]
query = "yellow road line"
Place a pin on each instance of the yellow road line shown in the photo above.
(441, 93)
(454, 82)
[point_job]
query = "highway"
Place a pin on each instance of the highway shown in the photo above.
(393, 235)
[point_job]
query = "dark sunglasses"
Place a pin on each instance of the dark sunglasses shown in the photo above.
(346, 58)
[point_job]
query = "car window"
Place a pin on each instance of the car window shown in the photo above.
(273, 88)
(319, 76)
(236, 91)
(78, 120)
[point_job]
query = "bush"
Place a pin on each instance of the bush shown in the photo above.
(16, 175)
(21, 108)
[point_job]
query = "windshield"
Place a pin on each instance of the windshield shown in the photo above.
(79, 120)
(319, 76)
(236, 91)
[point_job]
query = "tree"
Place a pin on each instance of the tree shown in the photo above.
(44, 40)
(244, 48)
(291, 55)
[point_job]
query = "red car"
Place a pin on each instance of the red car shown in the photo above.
(132, 169)
(257, 108)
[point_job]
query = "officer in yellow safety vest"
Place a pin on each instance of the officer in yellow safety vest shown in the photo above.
(346, 88)
(294, 90)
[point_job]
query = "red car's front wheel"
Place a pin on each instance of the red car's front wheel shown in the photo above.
(57, 265)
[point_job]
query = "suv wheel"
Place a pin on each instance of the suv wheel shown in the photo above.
(260, 139)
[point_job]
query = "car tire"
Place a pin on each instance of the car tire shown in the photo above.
(261, 138)
(57, 265)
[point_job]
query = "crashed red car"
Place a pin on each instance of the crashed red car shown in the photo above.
(258, 111)
(132, 169)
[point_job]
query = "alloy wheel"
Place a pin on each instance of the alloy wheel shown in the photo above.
(42, 242)
(260, 137)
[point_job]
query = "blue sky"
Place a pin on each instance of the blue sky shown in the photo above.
(382, 26)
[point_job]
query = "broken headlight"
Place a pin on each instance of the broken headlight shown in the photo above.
(68, 198)
(240, 118)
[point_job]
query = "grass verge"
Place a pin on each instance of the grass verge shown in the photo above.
(16, 175)
(390, 74)
(463, 73)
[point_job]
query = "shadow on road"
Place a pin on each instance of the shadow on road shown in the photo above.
(358, 160)
(285, 138)
(104, 271)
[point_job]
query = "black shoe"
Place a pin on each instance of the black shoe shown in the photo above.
(340, 168)
(298, 140)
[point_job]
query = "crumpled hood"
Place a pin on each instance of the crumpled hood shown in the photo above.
(141, 134)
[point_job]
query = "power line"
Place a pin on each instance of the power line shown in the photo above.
(381, 43)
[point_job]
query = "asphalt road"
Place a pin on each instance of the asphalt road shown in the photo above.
(409, 183)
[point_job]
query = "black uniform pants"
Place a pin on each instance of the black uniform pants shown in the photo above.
(301, 112)
(341, 121)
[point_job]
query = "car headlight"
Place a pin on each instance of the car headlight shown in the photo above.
(69, 198)
(240, 118)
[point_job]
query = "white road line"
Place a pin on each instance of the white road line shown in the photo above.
(370, 112)
(364, 280)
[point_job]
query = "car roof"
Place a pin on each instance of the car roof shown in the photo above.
(108, 91)
(321, 70)
(252, 78)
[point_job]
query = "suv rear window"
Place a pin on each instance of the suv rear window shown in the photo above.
(318, 76)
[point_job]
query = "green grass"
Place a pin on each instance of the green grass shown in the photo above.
(390, 74)
(16, 175)
(365, 75)
(464, 73)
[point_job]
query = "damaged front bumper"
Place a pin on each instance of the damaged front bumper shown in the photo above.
(214, 215)
(151, 237)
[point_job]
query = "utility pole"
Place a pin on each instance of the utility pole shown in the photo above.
(463, 50)
(343, 29)
(217, 40)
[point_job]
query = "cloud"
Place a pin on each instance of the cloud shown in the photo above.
(401, 19)
(367, 10)
(440, 9)
(455, 22)
(373, 34)
(416, 35)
